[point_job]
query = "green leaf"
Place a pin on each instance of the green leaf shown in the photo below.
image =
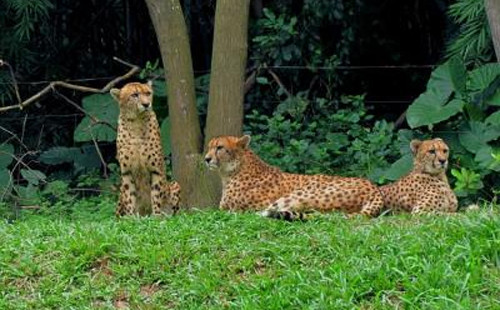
(493, 119)
(33, 176)
(482, 77)
(165, 136)
(262, 80)
(6, 152)
(478, 135)
(440, 83)
(104, 109)
(28, 195)
(160, 88)
(5, 183)
(87, 159)
(485, 158)
(399, 168)
(59, 155)
(458, 75)
(494, 100)
(427, 110)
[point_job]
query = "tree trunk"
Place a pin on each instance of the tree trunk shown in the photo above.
(185, 133)
(225, 110)
(493, 12)
(227, 78)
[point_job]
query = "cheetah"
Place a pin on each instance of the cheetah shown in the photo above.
(248, 183)
(425, 189)
(144, 188)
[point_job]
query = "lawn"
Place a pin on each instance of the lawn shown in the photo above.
(217, 260)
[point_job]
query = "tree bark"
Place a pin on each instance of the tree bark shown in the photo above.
(171, 32)
(227, 79)
(493, 12)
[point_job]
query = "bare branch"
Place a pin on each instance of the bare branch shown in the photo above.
(56, 84)
(277, 79)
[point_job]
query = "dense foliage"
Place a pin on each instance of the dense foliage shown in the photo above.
(308, 111)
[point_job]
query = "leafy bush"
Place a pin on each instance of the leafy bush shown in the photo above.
(347, 142)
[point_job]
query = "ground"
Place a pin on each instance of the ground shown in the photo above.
(218, 260)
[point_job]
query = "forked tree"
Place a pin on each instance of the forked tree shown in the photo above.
(200, 187)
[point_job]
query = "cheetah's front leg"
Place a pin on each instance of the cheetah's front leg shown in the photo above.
(128, 201)
(157, 185)
(288, 207)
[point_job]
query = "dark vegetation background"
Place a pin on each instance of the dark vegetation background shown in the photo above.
(334, 79)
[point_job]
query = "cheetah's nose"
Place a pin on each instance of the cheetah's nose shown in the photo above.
(145, 105)
(208, 159)
(442, 162)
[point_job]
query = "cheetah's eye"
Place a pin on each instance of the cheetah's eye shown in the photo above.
(445, 151)
(432, 152)
(219, 147)
(135, 95)
(148, 93)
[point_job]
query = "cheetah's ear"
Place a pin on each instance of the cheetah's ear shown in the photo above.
(244, 141)
(414, 145)
(115, 93)
(150, 83)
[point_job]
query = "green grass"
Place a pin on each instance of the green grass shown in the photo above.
(218, 260)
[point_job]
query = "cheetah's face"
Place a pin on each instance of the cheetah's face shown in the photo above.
(224, 153)
(134, 98)
(431, 155)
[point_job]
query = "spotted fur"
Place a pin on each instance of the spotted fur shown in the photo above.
(251, 184)
(425, 189)
(144, 188)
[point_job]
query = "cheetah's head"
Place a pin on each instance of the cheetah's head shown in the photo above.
(430, 156)
(224, 153)
(134, 98)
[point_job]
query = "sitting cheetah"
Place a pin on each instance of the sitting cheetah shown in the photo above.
(144, 187)
(250, 184)
(425, 189)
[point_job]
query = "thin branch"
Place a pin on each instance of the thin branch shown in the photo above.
(55, 84)
(105, 172)
(277, 79)
(93, 119)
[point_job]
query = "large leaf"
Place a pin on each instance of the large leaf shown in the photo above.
(83, 158)
(484, 157)
(445, 79)
(59, 155)
(28, 195)
(399, 168)
(458, 75)
(165, 136)
(494, 99)
(33, 176)
(478, 135)
(482, 77)
(427, 110)
(104, 109)
(5, 183)
(6, 152)
(493, 119)
(87, 159)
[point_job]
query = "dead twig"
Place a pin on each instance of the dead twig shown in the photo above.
(277, 79)
(105, 169)
(56, 84)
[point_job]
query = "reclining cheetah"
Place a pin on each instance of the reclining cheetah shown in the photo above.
(251, 184)
(144, 187)
(425, 189)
